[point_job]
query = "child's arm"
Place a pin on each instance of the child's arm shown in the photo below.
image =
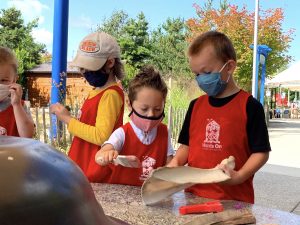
(180, 157)
(111, 148)
(25, 124)
(169, 158)
(252, 165)
(109, 109)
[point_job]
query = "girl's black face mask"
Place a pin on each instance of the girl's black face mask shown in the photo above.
(96, 78)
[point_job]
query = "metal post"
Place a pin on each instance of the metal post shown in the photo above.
(255, 58)
(59, 56)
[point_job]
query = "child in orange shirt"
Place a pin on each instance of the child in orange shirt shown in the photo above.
(144, 136)
(15, 118)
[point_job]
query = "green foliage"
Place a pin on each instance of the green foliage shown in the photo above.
(179, 97)
(134, 42)
(114, 25)
(180, 94)
(132, 36)
(130, 72)
(168, 46)
(165, 47)
(21, 55)
(46, 57)
(17, 36)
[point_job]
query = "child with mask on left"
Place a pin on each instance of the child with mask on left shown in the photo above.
(15, 118)
(144, 137)
(98, 58)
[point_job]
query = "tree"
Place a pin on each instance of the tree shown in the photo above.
(131, 34)
(134, 42)
(114, 25)
(238, 24)
(17, 36)
(46, 57)
(133, 38)
(168, 46)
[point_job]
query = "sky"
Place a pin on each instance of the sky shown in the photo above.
(85, 15)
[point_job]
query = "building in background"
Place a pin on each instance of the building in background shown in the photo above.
(39, 86)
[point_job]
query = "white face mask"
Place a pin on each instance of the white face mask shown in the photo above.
(4, 92)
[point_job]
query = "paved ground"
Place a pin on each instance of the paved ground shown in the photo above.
(277, 184)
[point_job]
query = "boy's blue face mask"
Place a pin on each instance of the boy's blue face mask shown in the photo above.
(211, 83)
(96, 78)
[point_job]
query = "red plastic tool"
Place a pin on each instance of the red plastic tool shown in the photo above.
(213, 206)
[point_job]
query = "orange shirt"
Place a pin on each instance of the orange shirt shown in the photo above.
(215, 134)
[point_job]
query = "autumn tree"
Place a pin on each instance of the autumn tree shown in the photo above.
(238, 24)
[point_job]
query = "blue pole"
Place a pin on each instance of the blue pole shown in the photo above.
(262, 83)
(255, 91)
(59, 55)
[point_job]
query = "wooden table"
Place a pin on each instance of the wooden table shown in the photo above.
(125, 203)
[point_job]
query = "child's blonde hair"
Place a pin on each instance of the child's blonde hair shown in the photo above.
(147, 77)
(223, 46)
(8, 57)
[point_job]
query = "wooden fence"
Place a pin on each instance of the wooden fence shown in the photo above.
(63, 138)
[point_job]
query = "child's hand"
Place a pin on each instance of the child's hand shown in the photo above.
(172, 163)
(105, 156)
(61, 112)
(234, 175)
(15, 93)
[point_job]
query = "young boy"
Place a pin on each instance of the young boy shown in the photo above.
(98, 58)
(226, 121)
(14, 119)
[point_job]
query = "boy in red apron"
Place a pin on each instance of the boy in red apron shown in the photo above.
(226, 121)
